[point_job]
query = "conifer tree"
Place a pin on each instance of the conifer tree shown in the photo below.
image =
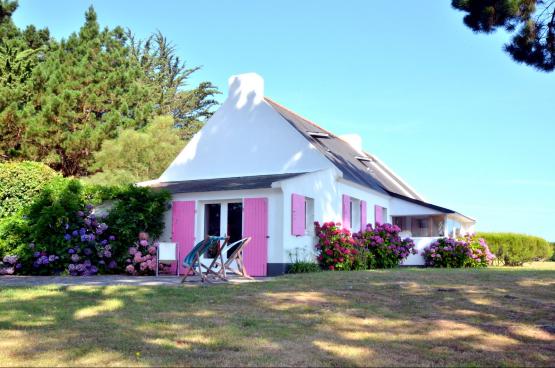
(531, 21)
(60, 100)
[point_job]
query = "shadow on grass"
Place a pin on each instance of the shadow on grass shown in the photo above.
(395, 317)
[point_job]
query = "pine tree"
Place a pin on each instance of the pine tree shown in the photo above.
(532, 20)
(168, 76)
(60, 100)
(86, 88)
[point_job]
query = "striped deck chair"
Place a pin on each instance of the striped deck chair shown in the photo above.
(236, 256)
(192, 263)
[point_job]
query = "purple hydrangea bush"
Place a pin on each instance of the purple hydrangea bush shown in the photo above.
(89, 249)
(467, 251)
(9, 265)
(142, 256)
(385, 246)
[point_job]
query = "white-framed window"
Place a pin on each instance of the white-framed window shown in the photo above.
(355, 214)
(309, 215)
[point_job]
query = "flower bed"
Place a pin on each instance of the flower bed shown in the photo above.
(336, 247)
(142, 257)
(385, 247)
(379, 247)
(468, 251)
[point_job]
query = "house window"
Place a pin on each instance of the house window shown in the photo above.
(355, 214)
(420, 226)
(380, 215)
(302, 215)
(309, 215)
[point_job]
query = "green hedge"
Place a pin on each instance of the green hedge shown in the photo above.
(21, 183)
(515, 249)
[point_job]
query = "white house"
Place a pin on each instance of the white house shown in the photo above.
(258, 169)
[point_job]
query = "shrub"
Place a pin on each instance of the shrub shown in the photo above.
(136, 210)
(553, 251)
(385, 247)
(468, 251)
(9, 265)
(142, 256)
(336, 247)
(300, 262)
(58, 232)
(516, 249)
(38, 230)
(21, 183)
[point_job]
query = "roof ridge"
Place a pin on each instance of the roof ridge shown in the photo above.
(268, 99)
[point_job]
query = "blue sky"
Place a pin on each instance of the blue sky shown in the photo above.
(446, 109)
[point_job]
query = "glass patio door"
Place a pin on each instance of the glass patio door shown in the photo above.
(222, 219)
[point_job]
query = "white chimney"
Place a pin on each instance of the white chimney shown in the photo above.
(354, 141)
(246, 88)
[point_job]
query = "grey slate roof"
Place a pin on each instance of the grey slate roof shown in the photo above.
(361, 168)
(212, 185)
(364, 172)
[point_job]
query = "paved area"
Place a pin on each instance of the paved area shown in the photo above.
(107, 280)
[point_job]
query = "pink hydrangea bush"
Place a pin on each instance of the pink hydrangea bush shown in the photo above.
(337, 249)
(467, 251)
(142, 257)
(385, 247)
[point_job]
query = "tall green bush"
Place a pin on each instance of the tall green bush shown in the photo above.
(515, 249)
(135, 210)
(21, 183)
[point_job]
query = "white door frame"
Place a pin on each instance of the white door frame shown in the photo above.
(223, 222)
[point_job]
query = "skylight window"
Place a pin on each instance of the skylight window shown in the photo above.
(364, 158)
(318, 134)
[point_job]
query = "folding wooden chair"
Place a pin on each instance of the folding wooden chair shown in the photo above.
(236, 256)
(192, 261)
(218, 260)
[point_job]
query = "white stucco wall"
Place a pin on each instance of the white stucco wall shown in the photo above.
(400, 207)
(326, 187)
(245, 137)
(321, 187)
(419, 244)
(371, 197)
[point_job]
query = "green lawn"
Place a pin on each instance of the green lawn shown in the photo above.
(498, 316)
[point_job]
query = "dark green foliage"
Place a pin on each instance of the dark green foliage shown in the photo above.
(42, 225)
(135, 210)
(303, 267)
(532, 20)
(62, 207)
(60, 100)
(553, 250)
(300, 261)
(21, 183)
(166, 74)
(515, 249)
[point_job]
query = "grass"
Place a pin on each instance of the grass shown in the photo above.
(498, 316)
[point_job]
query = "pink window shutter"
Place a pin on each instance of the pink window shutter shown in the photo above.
(298, 215)
(255, 225)
(346, 211)
(183, 229)
(363, 220)
(378, 215)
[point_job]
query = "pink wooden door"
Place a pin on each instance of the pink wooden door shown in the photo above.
(255, 225)
(183, 228)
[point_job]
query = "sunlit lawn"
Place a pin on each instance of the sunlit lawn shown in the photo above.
(499, 316)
